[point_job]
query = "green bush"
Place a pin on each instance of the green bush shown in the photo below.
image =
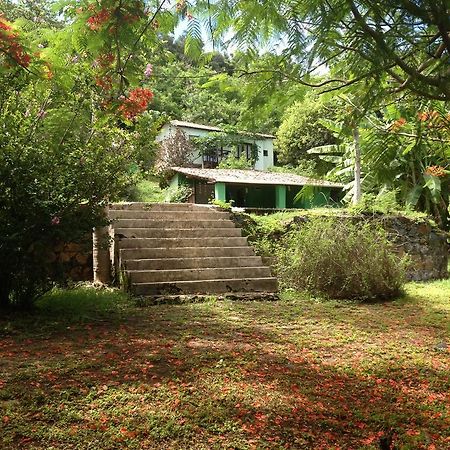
(179, 194)
(233, 162)
(341, 260)
(382, 203)
(58, 170)
(302, 129)
(146, 189)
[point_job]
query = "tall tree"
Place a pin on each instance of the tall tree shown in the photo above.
(407, 40)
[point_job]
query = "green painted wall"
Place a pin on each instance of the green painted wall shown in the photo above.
(280, 196)
(220, 192)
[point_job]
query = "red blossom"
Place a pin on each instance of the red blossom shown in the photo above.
(105, 60)
(96, 21)
(422, 116)
(136, 103)
(398, 124)
(104, 82)
(10, 46)
(436, 171)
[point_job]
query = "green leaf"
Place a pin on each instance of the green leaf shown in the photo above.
(434, 186)
(409, 148)
(413, 195)
(331, 125)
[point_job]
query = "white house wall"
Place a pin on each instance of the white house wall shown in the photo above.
(262, 163)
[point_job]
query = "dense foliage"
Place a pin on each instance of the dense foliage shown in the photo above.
(302, 130)
(341, 260)
(72, 93)
(362, 40)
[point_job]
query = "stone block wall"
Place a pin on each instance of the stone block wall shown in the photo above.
(426, 245)
(71, 261)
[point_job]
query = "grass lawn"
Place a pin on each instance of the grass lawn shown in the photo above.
(92, 371)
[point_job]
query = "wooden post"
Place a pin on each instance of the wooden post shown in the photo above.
(101, 254)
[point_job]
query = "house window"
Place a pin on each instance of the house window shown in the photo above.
(245, 149)
(266, 152)
(223, 152)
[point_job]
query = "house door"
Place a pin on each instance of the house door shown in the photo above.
(203, 192)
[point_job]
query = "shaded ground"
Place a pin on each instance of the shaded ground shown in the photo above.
(295, 374)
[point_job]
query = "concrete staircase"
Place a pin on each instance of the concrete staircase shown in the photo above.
(182, 248)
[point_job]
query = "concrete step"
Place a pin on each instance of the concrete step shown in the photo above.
(176, 232)
(173, 224)
(219, 286)
(192, 263)
(144, 206)
(182, 242)
(229, 273)
(185, 252)
(209, 214)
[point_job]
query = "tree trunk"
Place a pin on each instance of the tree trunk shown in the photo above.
(357, 187)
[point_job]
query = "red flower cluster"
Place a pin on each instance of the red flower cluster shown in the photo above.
(96, 21)
(105, 60)
(10, 46)
(398, 124)
(436, 171)
(424, 116)
(136, 103)
(130, 18)
(104, 82)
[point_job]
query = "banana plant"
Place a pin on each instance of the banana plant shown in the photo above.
(401, 150)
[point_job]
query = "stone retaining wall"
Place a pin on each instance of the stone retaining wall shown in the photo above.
(426, 245)
(71, 261)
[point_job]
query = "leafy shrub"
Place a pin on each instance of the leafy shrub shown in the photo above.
(59, 167)
(145, 190)
(221, 204)
(180, 194)
(341, 260)
(383, 203)
(233, 162)
(302, 129)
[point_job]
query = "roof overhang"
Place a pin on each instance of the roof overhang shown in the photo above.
(254, 177)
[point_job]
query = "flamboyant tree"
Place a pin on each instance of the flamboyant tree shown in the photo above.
(361, 39)
(70, 95)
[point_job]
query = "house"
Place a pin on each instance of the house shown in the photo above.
(249, 142)
(256, 189)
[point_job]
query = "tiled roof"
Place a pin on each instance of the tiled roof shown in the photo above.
(197, 126)
(252, 177)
